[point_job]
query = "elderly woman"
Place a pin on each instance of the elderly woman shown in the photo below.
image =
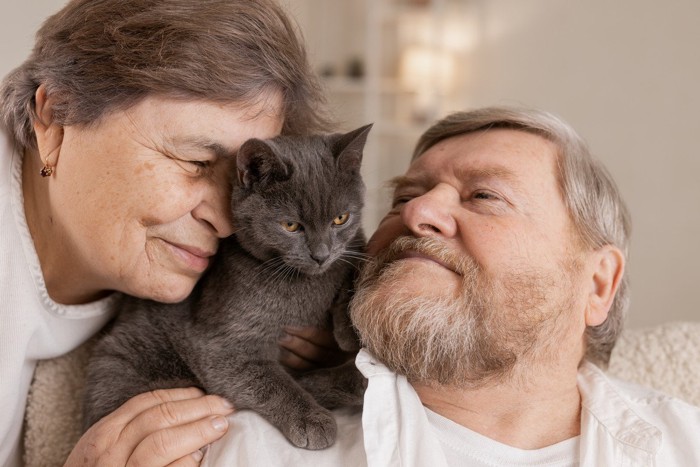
(118, 135)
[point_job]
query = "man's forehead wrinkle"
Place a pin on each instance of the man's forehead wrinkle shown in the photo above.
(403, 181)
(471, 173)
(463, 174)
(466, 173)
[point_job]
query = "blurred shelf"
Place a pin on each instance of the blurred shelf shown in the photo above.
(393, 128)
(345, 85)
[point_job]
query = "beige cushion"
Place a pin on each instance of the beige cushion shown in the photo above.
(54, 413)
(665, 357)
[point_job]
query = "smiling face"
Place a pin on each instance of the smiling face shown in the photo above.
(488, 260)
(492, 194)
(139, 201)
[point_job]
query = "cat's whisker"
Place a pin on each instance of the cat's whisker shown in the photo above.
(350, 251)
(358, 261)
(349, 262)
(359, 256)
(269, 266)
(279, 273)
(288, 272)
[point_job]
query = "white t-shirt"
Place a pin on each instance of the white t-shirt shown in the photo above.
(621, 424)
(465, 448)
(32, 326)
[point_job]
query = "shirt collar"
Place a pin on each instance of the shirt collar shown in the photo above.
(605, 408)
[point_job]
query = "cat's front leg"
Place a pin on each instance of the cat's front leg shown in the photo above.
(263, 386)
(110, 382)
(340, 386)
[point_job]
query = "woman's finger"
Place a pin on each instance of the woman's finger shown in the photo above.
(137, 404)
(191, 460)
(171, 413)
(114, 439)
(172, 444)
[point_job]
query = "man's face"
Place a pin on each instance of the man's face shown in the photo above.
(488, 275)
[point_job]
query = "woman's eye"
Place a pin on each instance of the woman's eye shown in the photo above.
(200, 164)
(341, 219)
(291, 226)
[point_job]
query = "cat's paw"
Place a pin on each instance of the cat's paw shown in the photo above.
(315, 430)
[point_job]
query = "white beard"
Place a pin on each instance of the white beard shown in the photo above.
(482, 336)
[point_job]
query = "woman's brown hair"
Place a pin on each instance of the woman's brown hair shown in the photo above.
(97, 56)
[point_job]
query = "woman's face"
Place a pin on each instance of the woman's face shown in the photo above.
(140, 200)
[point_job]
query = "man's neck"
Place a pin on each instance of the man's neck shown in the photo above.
(530, 416)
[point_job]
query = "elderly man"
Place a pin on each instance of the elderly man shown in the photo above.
(497, 291)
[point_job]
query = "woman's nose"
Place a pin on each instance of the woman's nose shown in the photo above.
(215, 208)
(431, 214)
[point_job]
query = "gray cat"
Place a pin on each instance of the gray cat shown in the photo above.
(296, 208)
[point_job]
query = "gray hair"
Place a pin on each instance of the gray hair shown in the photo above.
(98, 56)
(598, 212)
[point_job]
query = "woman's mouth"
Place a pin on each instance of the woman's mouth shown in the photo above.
(194, 258)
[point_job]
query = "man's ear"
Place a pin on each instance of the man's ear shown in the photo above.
(608, 266)
(49, 134)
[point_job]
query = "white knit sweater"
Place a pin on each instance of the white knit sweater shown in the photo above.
(32, 326)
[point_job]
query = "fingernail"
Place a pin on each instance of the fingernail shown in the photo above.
(219, 423)
(227, 405)
(285, 338)
(198, 455)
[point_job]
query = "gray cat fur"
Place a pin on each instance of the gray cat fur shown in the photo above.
(224, 337)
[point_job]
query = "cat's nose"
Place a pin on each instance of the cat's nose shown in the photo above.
(320, 254)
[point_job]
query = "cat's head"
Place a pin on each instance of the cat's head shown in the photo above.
(298, 199)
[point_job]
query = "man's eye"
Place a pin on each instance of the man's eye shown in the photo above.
(484, 195)
(400, 201)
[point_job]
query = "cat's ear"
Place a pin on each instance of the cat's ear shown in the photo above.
(258, 163)
(347, 148)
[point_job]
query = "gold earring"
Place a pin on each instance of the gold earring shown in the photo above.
(46, 170)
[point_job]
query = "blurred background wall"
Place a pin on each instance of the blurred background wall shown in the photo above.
(625, 74)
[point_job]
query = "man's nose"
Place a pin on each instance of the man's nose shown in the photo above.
(431, 214)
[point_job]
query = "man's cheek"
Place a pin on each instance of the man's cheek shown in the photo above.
(389, 229)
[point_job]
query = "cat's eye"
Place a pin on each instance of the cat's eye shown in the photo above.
(341, 219)
(291, 226)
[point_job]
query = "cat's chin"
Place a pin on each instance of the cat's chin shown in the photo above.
(313, 269)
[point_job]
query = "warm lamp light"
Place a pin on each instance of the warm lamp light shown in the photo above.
(428, 73)
(423, 69)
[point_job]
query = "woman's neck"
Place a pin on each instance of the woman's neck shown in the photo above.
(62, 275)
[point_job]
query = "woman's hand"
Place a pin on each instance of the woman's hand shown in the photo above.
(157, 428)
(308, 348)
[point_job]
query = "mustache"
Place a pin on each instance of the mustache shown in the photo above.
(430, 247)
